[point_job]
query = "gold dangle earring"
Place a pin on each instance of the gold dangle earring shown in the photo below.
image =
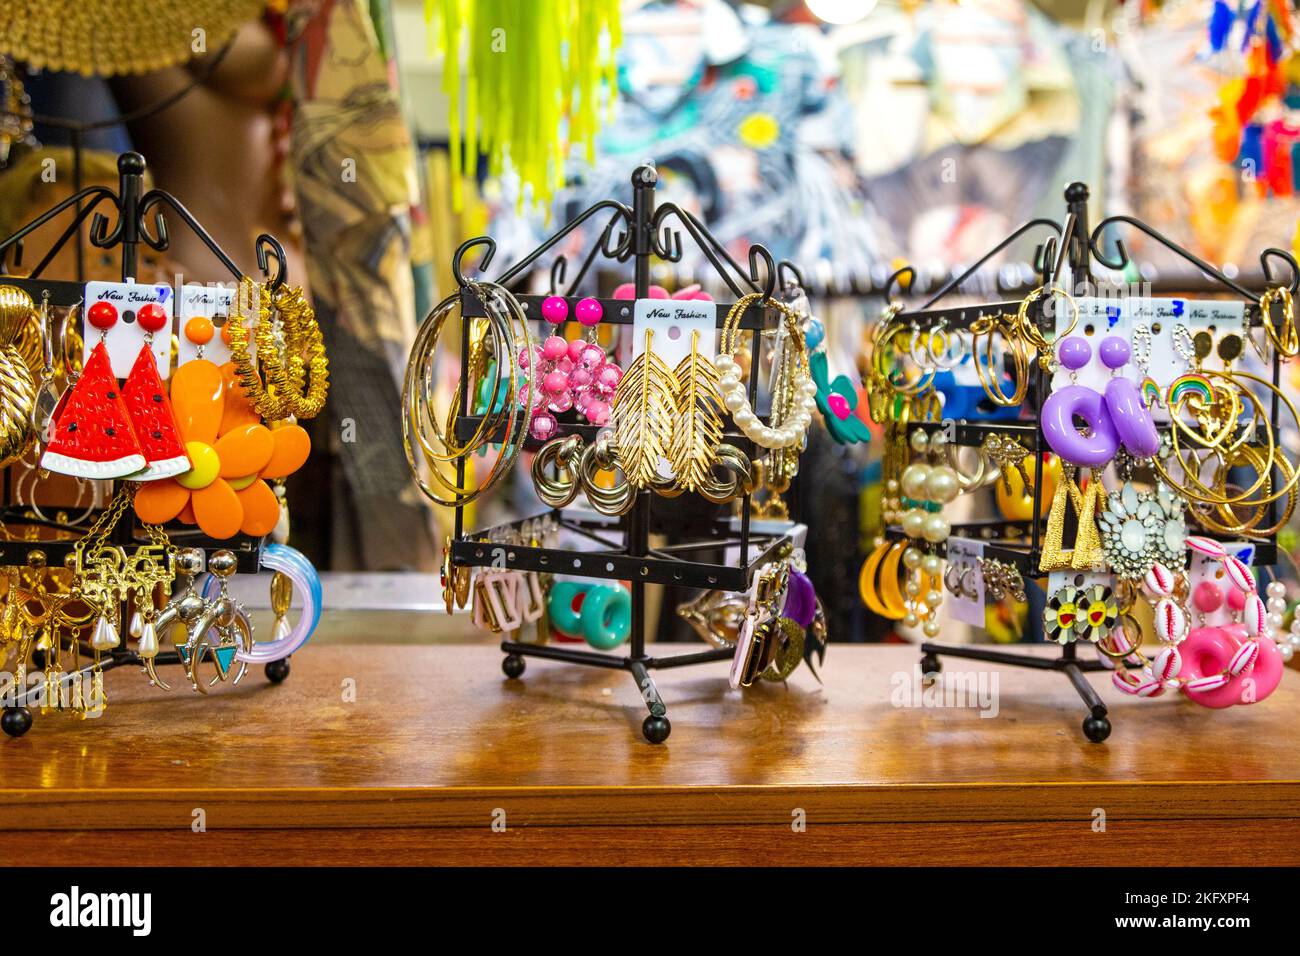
(642, 414)
(1087, 554)
(697, 429)
(1055, 556)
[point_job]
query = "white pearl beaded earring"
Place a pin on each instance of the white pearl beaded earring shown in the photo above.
(734, 397)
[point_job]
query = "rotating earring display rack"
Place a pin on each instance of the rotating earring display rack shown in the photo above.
(131, 206)
(622, 549)
(1019, 544)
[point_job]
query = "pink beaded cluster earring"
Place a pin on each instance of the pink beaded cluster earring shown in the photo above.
(568, 375)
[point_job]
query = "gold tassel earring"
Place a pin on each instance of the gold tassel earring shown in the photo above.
(1087, 554)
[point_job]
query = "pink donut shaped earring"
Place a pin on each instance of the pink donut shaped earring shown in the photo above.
(1099, 445)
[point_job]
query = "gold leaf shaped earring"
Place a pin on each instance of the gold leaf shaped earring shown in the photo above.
(693, 450)
(642, 413)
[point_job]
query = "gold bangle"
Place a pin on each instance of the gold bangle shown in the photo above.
(304, 384)
(1287, 338)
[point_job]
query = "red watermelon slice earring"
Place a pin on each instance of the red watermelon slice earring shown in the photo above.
(92, 434)
(150, 408)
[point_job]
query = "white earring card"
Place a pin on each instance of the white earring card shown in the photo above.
(125, 337)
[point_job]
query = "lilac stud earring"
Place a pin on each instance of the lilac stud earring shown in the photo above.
(1075, 352)
(1099, 444)
(1114, 352)
(555, 309)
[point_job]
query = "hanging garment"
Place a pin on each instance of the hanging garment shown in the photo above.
(354, 172)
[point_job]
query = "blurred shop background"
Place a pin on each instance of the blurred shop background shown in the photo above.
(850, 136)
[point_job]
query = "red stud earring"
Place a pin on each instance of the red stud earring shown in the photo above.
(102, 315)
(152, 317)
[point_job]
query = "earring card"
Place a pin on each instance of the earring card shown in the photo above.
(673, 321)
(124, 339)
(212, 302)
(967, 607)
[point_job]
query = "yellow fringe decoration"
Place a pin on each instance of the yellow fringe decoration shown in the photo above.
(516, 74)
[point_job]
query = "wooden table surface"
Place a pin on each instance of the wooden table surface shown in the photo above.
(410, 755)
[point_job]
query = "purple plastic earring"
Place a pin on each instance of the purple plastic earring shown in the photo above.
(1114, 352)
(1131, 419)
(1075, 352)
(1074, 447)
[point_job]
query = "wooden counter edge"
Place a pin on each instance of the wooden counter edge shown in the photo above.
(578, 807)
(1209, 843)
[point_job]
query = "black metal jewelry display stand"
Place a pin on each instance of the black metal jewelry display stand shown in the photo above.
(623, 550)
(1071, 244)
(131, 206)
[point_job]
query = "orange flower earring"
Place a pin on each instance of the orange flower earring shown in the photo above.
(232, 456)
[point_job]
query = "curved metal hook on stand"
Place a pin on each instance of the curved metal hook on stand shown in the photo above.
(129, 227)
(267, 247)
(621, 213)
(157, 197)
(794, 279)
(717, 254)
(558, 269)
(956, 281)
(669, 246)
(95, 194)
(1274, 252)
(619, 250)
(457, 259)
(759, 252)
(1187, 255)
(896, 277)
